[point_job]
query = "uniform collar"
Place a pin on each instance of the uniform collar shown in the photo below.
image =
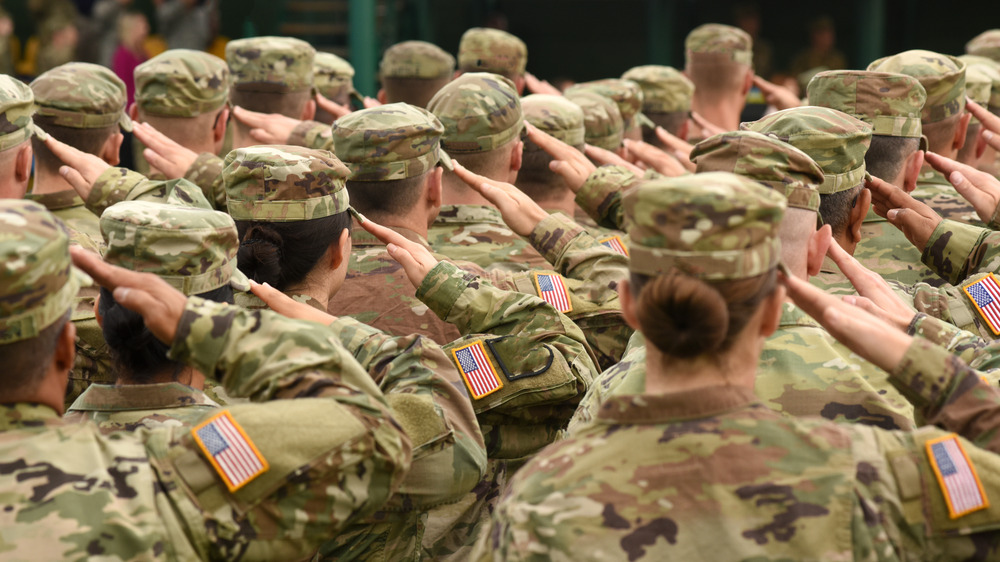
(25, 415)
(476, 214)
(56, 201)
(110, 398)
(659, 408)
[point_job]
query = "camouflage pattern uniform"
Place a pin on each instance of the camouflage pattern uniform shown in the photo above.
(333, 77)
(416, 59)
(492, 50)
(602, 120)
(715, 46)
(986, 44)
(652, 477)
(990, 161)
(664, 89)
(16, 107)
(156, 493)
(627, 95)
(943, 77)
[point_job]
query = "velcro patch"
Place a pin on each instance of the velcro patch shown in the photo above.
(230, 450)
(616, 244)
(552, 290)
(985, 296)
(960, 485)
(477, 371)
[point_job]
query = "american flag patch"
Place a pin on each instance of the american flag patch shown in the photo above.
(553, 291)
(958, 479)
(477, 371)
(985, 296)
(616, 244)
(230, 450)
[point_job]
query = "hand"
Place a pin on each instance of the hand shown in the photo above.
(680, 147)
(81, 169)
(877, 297)
(160, 305)
(371, 102)
(287, 306)
(916, 220)
(331, 107)
(978, 188)
(865, 334)
(266, 128)
(605, 157)
(519, 211)
(991, 123)
(567, 161)
(778, 96)
(416, 260)
(162, 153)
(655, 158)
(536, 86)
(708, 129)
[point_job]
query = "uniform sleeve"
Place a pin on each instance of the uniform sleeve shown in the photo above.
(601, 195)
(274, 480)
(206, 173)
(956, 251)
(312, 134)
(951, 304)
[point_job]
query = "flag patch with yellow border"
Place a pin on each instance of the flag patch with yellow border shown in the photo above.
(230, 450)
(477, 370)
(552, 290)
(985, 296)
(616, 244)
(960, 485)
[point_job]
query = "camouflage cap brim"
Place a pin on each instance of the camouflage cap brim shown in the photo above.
(12, 139)
(30, 323)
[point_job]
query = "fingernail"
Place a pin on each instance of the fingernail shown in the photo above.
(987, 135)
(956, 178)
(268, 285)
(892, 214)
(391, 247)
(63, 170)
(121, 294)
(485, 186)
(850, 299)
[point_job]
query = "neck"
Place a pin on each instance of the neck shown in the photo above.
(415, 220)
(456, 192)
(565, 203)
(317, 284)
(723, 112)
(737, 367)
(187, 375)
(848, 245)
(47, 181)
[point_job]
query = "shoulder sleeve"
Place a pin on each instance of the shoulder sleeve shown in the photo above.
(956, 250)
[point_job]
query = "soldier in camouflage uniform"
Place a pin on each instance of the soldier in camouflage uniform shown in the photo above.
(989, 159)
(627, 95)
(653, 476)
(413, 71)
(484, 49)
(333, 78)
(719, 62)
(944, 122)
(16, 128)
(986, 44)
(602, 121)
(194, 250)
(335, 455)
(666, 100)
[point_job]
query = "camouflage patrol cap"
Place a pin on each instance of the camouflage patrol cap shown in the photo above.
(627, 96)
(281, 183)
(416, 59)
(492, 50)
(714, 226)
(890, 103)
(835, 140)
(16, 107)
(480, 111)
(766, 160)
(181, 83)
(942, 76)
(271, 64)
(192, 249)
(556, 116)
(37, 279)
(602, 121)
(390, 142)
(81, 95)
(664, 89)
(986, 44)
(332, 75)
(987, 69)
(719, 42)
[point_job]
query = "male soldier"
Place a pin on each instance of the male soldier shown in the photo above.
(413, 71)
(944, 123)
(332, 77)
(666, 100)
(986, 44)
(719, 62)
(492, 50)
(16, 128)
(602, 120)
(626, 95)
(174, 493)
(976, 151)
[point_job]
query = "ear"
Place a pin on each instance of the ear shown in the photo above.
(963, 127)
(857, 216)
(685, 127)
(819, 243)
(772, 309)
(111, 148)
(342, 254)
(516, 154)
(219, 127)
(65, 351)
(133, 111)
(747, 83)
(22, 163)
(309, 111)
(432, 188)
(911, 170)
(627, 301)
(381, 97)
(97, 311)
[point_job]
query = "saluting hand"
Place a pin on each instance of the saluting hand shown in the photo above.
(162, 153)
(416, 260)
(916, 220)
(287, 306)
(567, 161)
(657, 159)
(81, 169)
(991, 124)
(267, 128)
(876, 296)
(519, 211)
(978, 188)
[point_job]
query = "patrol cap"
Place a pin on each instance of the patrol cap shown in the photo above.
(480, 111)
(278, 183)
(16, 106)
(991, 69)
(81, 95)
(942, 76)
(766, 160)
(626, 95)
(192, 249)
(890, 103)
(556, 116)
(332, 75)
(664, 89)
(483, 49)
(714, 41)
(181, 83)
(37, 279)
(416, 59)
(389, 142)
(978, 84)
(833, 139)
(271, 64)
(986, 44)
(714, 226)
(602, 121)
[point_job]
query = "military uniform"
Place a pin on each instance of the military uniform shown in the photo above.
(602, 120)
(484, 49)
(128, 407)
(333, 77)
(714, 47)
(627, 95)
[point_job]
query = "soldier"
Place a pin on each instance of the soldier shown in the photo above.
(333, 79)
(666, 100)
(653, 476)
(602, 120)
(194, 250)
(169, 493)
(986, 44)
(16, 129)
(944, 122)
(413, 71)
(983, 84)
(483, 49)
(627, 95)
(719, 62)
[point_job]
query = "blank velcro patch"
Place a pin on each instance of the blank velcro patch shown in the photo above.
(230, 450)
(957, 477)
(985, 297)
(552, 290)
(477, 371)
(616, 244)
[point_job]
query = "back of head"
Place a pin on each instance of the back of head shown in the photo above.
(413, 71)
(333, 77)
(483, 49)
(389, 150)
(986, 44)
(666, 97)
(181, 83)
(563, 120)
(717, 58)
(270, 75)
(625, 94)
(38, 284)
(82, 117)
(603, 124)
(703, 255)
(16, 124)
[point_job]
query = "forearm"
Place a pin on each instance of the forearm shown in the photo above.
(600, 195)
(956, 250)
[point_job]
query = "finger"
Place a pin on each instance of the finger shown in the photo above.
(404, 258)
(889, 193)
(553, 146)
(262, 136)
(984, 203)
(331, 107)
(764, 85)
(675, 143)
(152, 138)
(104, 274)
(605, 156)
(473, 179)
(371, 102)
(386, 235)
(947, 166)
(164, 165)
(68, 154)
(250, 118)
(75, 179)
(992, 139)
(990, 121)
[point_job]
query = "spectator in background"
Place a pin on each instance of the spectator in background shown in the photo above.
(133, 29)
(102, 32)
(6, 31)
(187, 24)
(747, 17)
(58, 38)
(822, 51)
